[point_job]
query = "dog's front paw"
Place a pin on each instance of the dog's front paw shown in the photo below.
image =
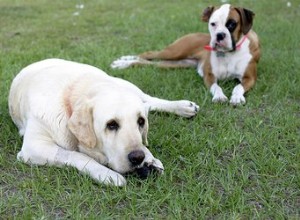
(186, 109)
(154, 166)
(124, 62)
(237, 100)
(219, 98)
(113, 178)
(102, 174)
(157, 166)
(237, 97)
(218, 95)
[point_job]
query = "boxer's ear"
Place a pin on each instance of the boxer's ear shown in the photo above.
(207, 13)
(246, 19)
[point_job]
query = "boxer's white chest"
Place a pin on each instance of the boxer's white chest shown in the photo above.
(231, 64)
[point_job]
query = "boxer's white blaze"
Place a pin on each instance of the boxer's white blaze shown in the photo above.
(219, 19)
(220, 15)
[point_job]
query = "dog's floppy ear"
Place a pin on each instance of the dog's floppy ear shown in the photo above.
(207, 13)
(246, 18)
(81, 123)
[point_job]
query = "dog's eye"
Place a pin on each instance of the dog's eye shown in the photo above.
(231, 25)
(112, 125)
(213, 24)
(141, 121)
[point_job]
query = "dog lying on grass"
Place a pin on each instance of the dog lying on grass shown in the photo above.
(231, 50)
(76, 115)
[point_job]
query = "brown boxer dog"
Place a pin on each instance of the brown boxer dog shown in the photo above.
(231, 50)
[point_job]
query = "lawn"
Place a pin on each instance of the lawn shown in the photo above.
(226, 163)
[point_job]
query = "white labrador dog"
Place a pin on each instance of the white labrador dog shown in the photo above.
(75, 114)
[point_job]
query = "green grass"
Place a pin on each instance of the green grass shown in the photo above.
(226, 163)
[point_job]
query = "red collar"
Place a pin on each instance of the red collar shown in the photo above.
(238, 46)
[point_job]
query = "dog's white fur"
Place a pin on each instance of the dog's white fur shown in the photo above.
(62, 109)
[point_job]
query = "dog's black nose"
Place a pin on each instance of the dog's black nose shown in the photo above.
(136, 157)
(220, 36)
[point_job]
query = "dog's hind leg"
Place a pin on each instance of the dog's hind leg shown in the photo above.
(129, 61)
(39, 148)
(181, 53)
(183, 48)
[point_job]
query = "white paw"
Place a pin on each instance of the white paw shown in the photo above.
(129, 57)
(219, 98)
(186, 108)
(158, 166)
(237, 100)
(124, 62)
(217, 92)
(152, 162)
(100, 173)
(150, 166)
(113, 178)
(237, 97)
